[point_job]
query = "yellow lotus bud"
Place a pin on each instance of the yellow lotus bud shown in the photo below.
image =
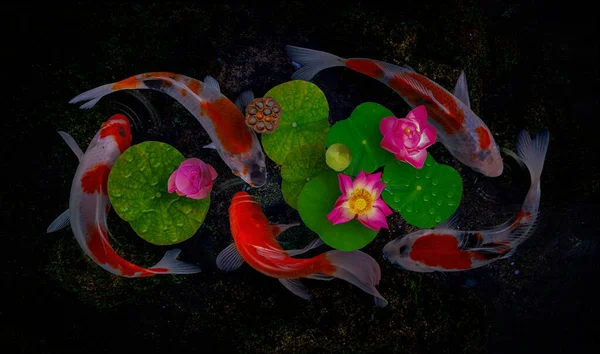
(338, 157)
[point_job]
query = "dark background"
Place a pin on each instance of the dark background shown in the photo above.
(530, 66)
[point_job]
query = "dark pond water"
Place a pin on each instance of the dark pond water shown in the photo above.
(529, 66)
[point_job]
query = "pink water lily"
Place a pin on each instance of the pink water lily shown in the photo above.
(408, 138)
(361, 199)
(193, 179)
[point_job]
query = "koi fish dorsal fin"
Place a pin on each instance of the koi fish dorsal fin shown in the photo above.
(211, 82)
(72, 144)
(60, 222)
(279, 228)
(243, 100)
(295, 286)
(311, 61)
(229, 259)
(461, 91)
(409, 68)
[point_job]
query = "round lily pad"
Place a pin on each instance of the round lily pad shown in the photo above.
(360, 133)
(137, 188)
(304, 113)
(304, 162)
(424, 197)
(316, 200)
(291, 191)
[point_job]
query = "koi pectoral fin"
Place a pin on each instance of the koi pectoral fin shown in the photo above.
(279, 228)
(60, 222)
(295, 286)
(314, 244)
(461, 90)
(211, 82)
(210, 146)
(229, 259)
(72, 144)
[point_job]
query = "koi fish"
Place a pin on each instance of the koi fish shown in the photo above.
(89, 203)
(461, 131)
(222, 119)
(446, 249)
(255, 242)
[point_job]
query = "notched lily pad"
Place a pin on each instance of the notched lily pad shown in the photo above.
(304, 113)
(316, 201)
(291, 191)
(137, 188)
(360, 133)
(424, 197)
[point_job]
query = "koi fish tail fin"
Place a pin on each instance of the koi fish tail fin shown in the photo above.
(169, 264)
(92, 96)
(311, 61)
(359, 269)
(533, 152)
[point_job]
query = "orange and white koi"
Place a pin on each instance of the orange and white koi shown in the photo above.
(446, 249)
(255, 242)
(89, 203)
(222, 119)
(463, 133)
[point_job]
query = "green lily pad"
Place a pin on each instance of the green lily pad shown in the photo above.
(291, 191)
(316, 200)
(424, 197)
(137, 188)
(304, 162)
(304, 113)
(360, 133)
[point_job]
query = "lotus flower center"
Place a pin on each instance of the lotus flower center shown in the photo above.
(407, 131)
(360, 201)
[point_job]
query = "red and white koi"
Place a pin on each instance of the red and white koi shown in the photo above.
(463, 133)
(255, 242)
(89, 203)
(222, 119)
(446, 249)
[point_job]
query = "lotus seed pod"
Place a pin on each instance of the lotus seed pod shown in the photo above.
(338, 157)
(262, 115)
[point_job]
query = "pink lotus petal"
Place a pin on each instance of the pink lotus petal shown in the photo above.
(340, 214)
(179, 193)
(184, 184)
(387, 124)
(419, 114)
(361, 180)
(341, 200)
(428, 137)
(389, 143)
(213, 173)
(346, 185)
(171, 182)
(377, 190)
(417, 159)
(374, 219)
(373, 181)
(383, 207)
(202, 193)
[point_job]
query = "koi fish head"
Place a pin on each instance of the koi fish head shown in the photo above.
(398, 252)
(489, 162)
(249, 166)
(118, 129)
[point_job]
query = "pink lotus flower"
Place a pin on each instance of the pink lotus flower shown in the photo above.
(361, 199)
(193, 179)
(408, 138)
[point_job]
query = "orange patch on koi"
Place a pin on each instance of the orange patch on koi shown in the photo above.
(451, 121)
(95, 179)
(129, 83)
(121, 133)
(229, 124)
(484, 137)
(183, 92)
(195, 86)
(365, 66)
